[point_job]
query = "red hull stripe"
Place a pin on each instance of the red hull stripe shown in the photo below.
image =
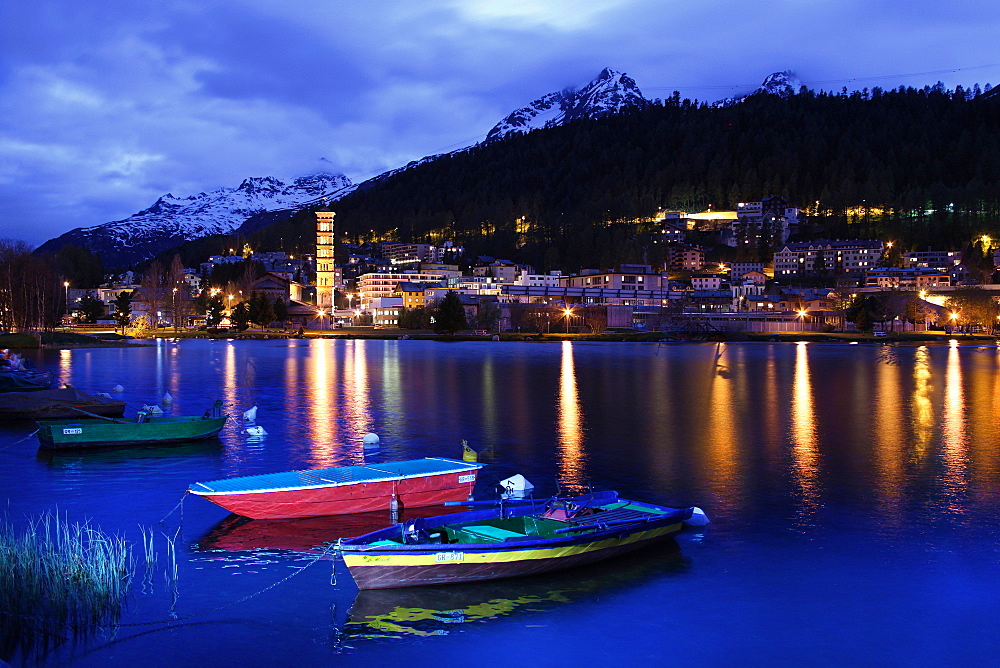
(412, 492)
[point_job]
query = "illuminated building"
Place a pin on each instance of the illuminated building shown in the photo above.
(325, 272)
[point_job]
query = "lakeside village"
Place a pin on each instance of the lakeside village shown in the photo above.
(853, 285)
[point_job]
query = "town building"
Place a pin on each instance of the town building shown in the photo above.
(905, 277)
(768, 221)
(383, 284)
(822, 257)
(683, 257)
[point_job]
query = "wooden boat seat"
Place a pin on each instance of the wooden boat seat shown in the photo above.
(490, 533)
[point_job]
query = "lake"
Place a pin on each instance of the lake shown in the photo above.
(854, 492)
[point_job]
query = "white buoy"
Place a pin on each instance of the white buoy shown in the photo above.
(371, 440)
(256, 431)
(167, 399)
(516, 485)
(153, 410)
(250, 415)
(698, 518)
(103, 395)
(117, 388)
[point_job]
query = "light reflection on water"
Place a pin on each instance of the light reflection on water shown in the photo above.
(828, 463)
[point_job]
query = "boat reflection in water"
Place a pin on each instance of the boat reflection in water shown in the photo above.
(419, 612)
(112, 455)
(309, 534)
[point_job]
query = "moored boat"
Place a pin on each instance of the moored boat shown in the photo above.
(145, 430)
(508, 541)
(22, 380)
(343, 489)
(58, 404)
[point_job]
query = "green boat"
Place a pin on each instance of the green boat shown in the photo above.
(144, 430)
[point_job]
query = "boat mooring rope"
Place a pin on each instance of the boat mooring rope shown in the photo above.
(180, 504)
(22, 440)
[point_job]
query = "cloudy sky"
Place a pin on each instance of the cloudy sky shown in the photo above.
(106, 105)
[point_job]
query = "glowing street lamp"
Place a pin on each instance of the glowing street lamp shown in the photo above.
(567, 312)
(802, 320)
(66, 285)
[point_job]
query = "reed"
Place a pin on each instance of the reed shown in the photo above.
(58, 579)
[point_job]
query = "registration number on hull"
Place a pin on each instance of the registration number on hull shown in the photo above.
(73, 430)
(442, 557)
(466, 478)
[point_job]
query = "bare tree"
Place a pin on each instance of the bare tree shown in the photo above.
(31, 296)
(152, 290)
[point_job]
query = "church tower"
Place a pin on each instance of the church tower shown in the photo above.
(325, 274)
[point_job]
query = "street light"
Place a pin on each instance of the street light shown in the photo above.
(175, 310)
(802, 320)
(568, 312)
(321, 313)
(66, 285)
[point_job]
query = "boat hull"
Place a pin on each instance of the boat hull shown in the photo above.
(518, 539)
(413, 489)
(377, 569)
(155, 431)
(60, 404)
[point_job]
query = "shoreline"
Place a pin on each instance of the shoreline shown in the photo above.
(100, 338)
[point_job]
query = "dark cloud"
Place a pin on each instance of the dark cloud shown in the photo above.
(106, 106)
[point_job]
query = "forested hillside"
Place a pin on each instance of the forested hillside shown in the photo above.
(919, 166)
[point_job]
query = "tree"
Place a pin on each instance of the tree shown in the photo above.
(91, 309)
(214, 310)
(974, 307)
(240, 317)
(151, 291)
(123, 309)
(449, 317)
(414, 318)
(280, 311)
(261, 310)
(488, 316)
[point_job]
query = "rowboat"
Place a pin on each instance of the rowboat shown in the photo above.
(343, 489)
(21, 380)
(510, 540)
(146, 430)
(58, 404)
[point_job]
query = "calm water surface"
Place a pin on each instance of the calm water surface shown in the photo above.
(854, 493)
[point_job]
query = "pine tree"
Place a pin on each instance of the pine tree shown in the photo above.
(450, 315)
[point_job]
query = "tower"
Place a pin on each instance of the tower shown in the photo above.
(325, 276)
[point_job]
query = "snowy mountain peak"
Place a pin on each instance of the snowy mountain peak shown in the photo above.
(609, 93)
(782, 84)
(172, 220)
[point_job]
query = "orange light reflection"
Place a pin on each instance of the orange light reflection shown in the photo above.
(570, 427)
(805, 464)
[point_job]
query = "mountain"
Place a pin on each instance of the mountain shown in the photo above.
(172, 220)
(781, 84)
(609, 93)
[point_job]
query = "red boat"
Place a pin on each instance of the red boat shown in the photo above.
(344, 489)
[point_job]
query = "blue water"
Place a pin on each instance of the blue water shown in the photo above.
(854, 493)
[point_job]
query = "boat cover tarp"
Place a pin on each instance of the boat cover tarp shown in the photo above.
(339, 475)
(24, 402)
(16, 381)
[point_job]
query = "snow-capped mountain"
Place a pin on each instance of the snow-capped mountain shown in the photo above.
(173, 220)
(782, 84)
(609, 93)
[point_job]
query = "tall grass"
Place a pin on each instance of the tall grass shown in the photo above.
(58, 580)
